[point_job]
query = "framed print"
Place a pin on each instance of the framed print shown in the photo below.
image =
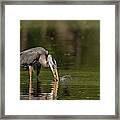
(60, 59)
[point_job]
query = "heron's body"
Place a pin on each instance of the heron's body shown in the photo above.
(34, 55)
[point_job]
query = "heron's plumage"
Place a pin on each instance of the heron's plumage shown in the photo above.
(32, 55)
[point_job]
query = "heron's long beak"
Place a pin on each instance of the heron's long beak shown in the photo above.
(53, 66)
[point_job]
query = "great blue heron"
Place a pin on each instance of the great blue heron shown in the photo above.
(36, 57)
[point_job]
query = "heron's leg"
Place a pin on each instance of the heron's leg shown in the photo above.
(30, 82)
(38, 81)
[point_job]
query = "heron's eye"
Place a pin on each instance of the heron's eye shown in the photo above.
(53, 66)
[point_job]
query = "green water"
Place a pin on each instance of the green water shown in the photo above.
(76, 47)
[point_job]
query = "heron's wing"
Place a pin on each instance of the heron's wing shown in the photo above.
(40, 50)
(28, 57)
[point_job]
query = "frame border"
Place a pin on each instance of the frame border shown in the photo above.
(55, 2)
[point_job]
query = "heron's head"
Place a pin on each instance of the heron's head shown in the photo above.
(53, 66)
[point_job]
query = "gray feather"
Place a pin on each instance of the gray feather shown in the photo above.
(31, 55)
